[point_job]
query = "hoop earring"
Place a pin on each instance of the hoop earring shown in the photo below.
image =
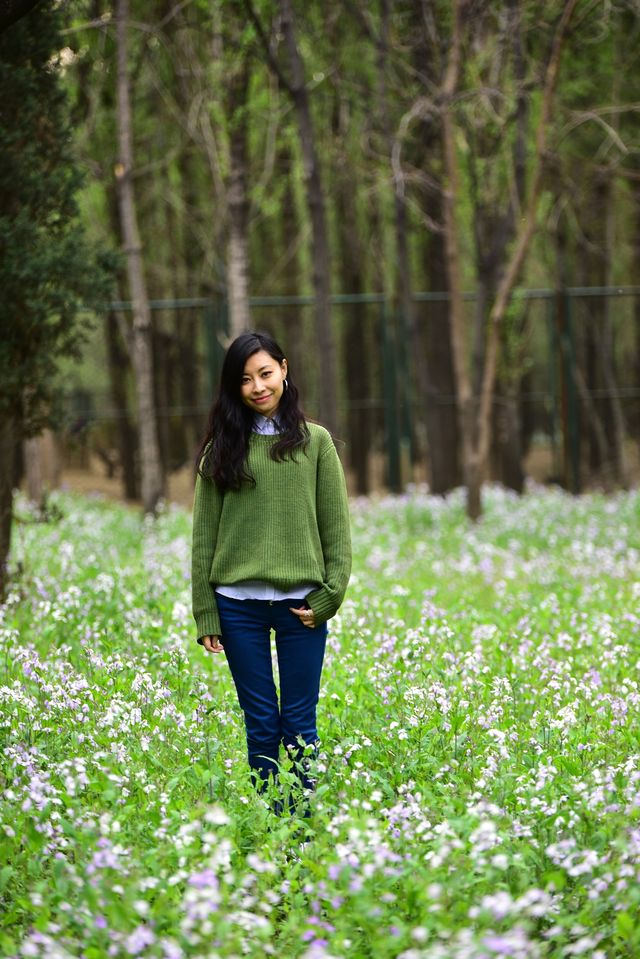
(286, 384)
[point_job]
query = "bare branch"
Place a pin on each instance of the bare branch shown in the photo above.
(596, 116)
(422, 108)
(264, 40)
(213, 153)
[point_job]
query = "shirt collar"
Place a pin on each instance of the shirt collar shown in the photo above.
(266, 425)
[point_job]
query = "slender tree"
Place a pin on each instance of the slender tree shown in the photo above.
(238, 199)
(140, 335)
(432, 337)
(475, 420)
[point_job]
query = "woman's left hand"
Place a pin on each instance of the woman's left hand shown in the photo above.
(306, 616)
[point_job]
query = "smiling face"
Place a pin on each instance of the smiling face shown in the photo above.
(262, 383)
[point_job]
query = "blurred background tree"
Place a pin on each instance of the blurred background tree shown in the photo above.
(48, 273)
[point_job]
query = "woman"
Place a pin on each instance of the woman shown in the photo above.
(271, 547)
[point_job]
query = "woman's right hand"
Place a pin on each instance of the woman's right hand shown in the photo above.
(212, 644)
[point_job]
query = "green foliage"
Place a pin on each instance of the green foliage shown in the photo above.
(46, 268)
(184, 67)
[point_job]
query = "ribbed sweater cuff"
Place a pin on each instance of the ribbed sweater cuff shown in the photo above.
(208, 624)
(323, 604)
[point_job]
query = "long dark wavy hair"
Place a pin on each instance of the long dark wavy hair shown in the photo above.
(223, 453)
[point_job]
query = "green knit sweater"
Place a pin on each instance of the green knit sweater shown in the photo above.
(292, 527)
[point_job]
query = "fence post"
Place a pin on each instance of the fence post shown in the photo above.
(394, 478)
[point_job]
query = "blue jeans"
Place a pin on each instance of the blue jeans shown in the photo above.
(246, 639)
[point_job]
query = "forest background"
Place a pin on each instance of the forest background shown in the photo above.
(435, 206)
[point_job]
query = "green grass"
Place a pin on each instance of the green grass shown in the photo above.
(479, 777)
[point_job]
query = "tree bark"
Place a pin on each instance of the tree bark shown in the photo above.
(32, 453)
(238, 250)
(151, 473)
(327, 406)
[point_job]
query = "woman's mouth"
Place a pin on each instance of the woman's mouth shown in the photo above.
(261, 399)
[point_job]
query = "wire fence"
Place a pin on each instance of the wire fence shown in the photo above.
(570, 367)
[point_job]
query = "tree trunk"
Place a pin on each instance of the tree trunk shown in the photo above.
(476, 427)
(187, 321)
(598, 453)
(355, 341)
(7, 455)
(152, 478)
(290, 275)
(431, 337)
(320, 240)
(186, 333)
(494, 227)
(635, 271)
(524, 235)
(591, 270)
(32, 453)
(593, 418)
(238, 250)
(507, 435)
(118, 362)
(399, 322)
(471, 464)
(607, 348)
(435, 370)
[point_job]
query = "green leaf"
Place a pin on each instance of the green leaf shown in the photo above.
(625, 925)
(5, 875)
(8, 945)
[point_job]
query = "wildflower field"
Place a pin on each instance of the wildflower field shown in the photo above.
(479, 775)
